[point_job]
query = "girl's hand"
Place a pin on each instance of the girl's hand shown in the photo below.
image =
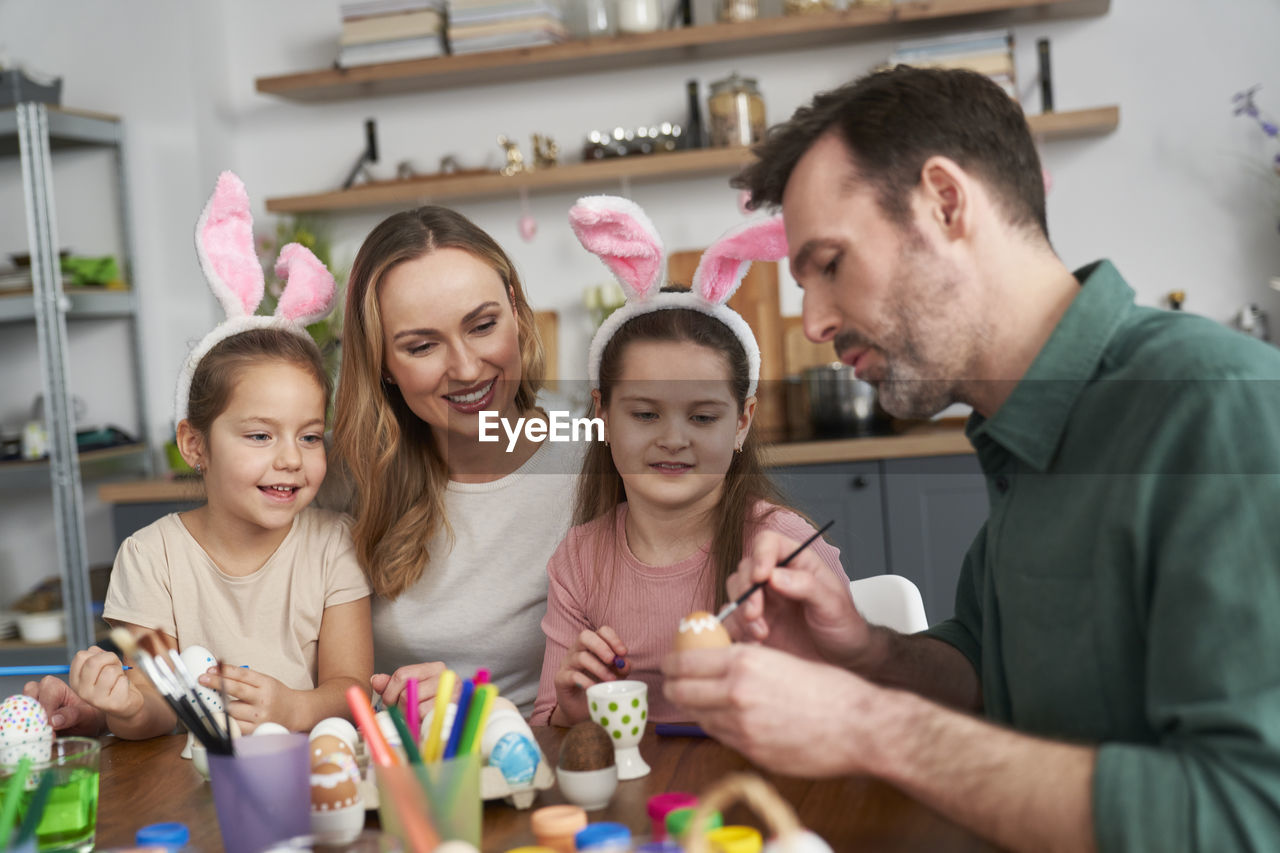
(590, 661)
(98, 677)
(259, 697)
(391, 687)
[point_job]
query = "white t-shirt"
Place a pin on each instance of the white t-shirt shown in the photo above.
(269, 620)
(481, 599)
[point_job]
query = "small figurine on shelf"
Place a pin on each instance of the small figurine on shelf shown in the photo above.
(545, 152)
(515, 160)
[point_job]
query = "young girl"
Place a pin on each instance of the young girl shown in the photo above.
(667, 508)
(254, 575)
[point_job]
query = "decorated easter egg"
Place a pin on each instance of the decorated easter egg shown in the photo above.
(197, 660)
(24, 730)
(701, 630)
(517, 756)
(335, 785)
(270, 728)
(326, 747)
(587, 746)
(340, 728)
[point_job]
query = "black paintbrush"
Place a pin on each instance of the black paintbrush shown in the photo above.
(758, 585)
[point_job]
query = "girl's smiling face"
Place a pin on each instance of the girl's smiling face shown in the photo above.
(451, 340)
(264, 456)
(672, 440)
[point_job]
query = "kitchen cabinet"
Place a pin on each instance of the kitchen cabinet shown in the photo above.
(33, 132)
(913, 517)
(665, 47)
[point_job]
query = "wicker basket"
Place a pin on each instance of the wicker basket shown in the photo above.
(779, 818)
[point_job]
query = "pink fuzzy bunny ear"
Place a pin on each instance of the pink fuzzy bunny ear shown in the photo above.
(224, 243)
(724, 264)
(309, 289)
(618, 232)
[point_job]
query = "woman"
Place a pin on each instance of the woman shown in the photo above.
(454, 533)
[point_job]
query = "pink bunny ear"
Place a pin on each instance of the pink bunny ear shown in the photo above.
(724, 264)
(309, 289)
(618, 232)
(224, 243)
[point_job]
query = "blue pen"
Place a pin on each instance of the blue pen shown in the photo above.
(55, 669)
(679, 730)
(459, 719)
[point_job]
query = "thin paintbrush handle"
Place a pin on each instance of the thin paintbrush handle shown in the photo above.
(759, 585)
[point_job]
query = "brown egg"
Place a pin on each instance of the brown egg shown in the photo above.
(324, 746)
(334, 786)
(701, 630)
(586, 747)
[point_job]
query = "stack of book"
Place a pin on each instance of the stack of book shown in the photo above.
(989, 52)
(390, 31)
(480, 25)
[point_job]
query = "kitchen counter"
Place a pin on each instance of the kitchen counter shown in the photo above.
(934, 438)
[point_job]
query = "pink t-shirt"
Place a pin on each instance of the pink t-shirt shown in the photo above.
(643, 603)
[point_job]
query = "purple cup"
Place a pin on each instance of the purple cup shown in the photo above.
(263, 792)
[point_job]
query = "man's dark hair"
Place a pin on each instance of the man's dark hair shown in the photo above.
(892, 121)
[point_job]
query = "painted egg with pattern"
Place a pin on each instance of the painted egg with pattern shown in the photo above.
(701, 630)
(24, 730)
(326, 747)
(334, 784)
(338, 727)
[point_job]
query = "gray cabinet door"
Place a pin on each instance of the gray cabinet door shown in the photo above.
(849, 492)
(934, 507)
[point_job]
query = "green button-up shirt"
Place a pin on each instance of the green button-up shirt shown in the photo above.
(1125, 590)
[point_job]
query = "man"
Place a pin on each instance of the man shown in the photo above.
(1117, 620)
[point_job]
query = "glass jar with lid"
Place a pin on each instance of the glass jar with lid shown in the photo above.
(736, 112)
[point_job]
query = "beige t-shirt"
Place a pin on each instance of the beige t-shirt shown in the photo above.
(269, 620)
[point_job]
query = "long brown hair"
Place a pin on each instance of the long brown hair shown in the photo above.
(600, 488)
(387, 450)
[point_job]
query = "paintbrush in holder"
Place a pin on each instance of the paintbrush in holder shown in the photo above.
(178, 688)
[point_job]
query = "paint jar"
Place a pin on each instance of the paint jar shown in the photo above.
(736, 112)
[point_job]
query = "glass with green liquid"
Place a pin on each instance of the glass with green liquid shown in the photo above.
(70, 813)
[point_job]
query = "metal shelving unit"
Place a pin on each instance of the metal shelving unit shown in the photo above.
(32, 132)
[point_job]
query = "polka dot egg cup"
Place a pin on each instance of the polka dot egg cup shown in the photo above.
(622, 708)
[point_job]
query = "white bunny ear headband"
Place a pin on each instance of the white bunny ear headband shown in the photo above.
(224, 243)
(618, 232)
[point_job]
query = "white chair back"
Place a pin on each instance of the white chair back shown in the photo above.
(890, 600)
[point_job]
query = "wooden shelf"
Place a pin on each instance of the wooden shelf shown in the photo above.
(707, 161)
(709, 41)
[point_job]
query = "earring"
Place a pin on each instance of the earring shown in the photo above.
(387, 380)
(199, 470)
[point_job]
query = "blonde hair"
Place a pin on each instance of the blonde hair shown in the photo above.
(601, 489)
(397, 471)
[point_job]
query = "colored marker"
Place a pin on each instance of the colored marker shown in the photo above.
(459, 719)
(411, 709)
(679, 730)
(619, 663)
(482, 676)
(379, 750)
(444, 694)
(407, 740)
(481, 701)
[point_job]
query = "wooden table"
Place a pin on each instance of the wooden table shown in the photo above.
(147, 782)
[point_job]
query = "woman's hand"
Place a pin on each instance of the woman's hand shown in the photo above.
(97, 676)
(590, 661)
(391, 687)
(68, 713)
(259, 698)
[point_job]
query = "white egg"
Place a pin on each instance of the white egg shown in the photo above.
(340, 728)
(805, 842)
(389, 730)
(446, 727)
(270, 728)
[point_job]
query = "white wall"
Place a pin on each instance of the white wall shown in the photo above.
(1179, 197)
